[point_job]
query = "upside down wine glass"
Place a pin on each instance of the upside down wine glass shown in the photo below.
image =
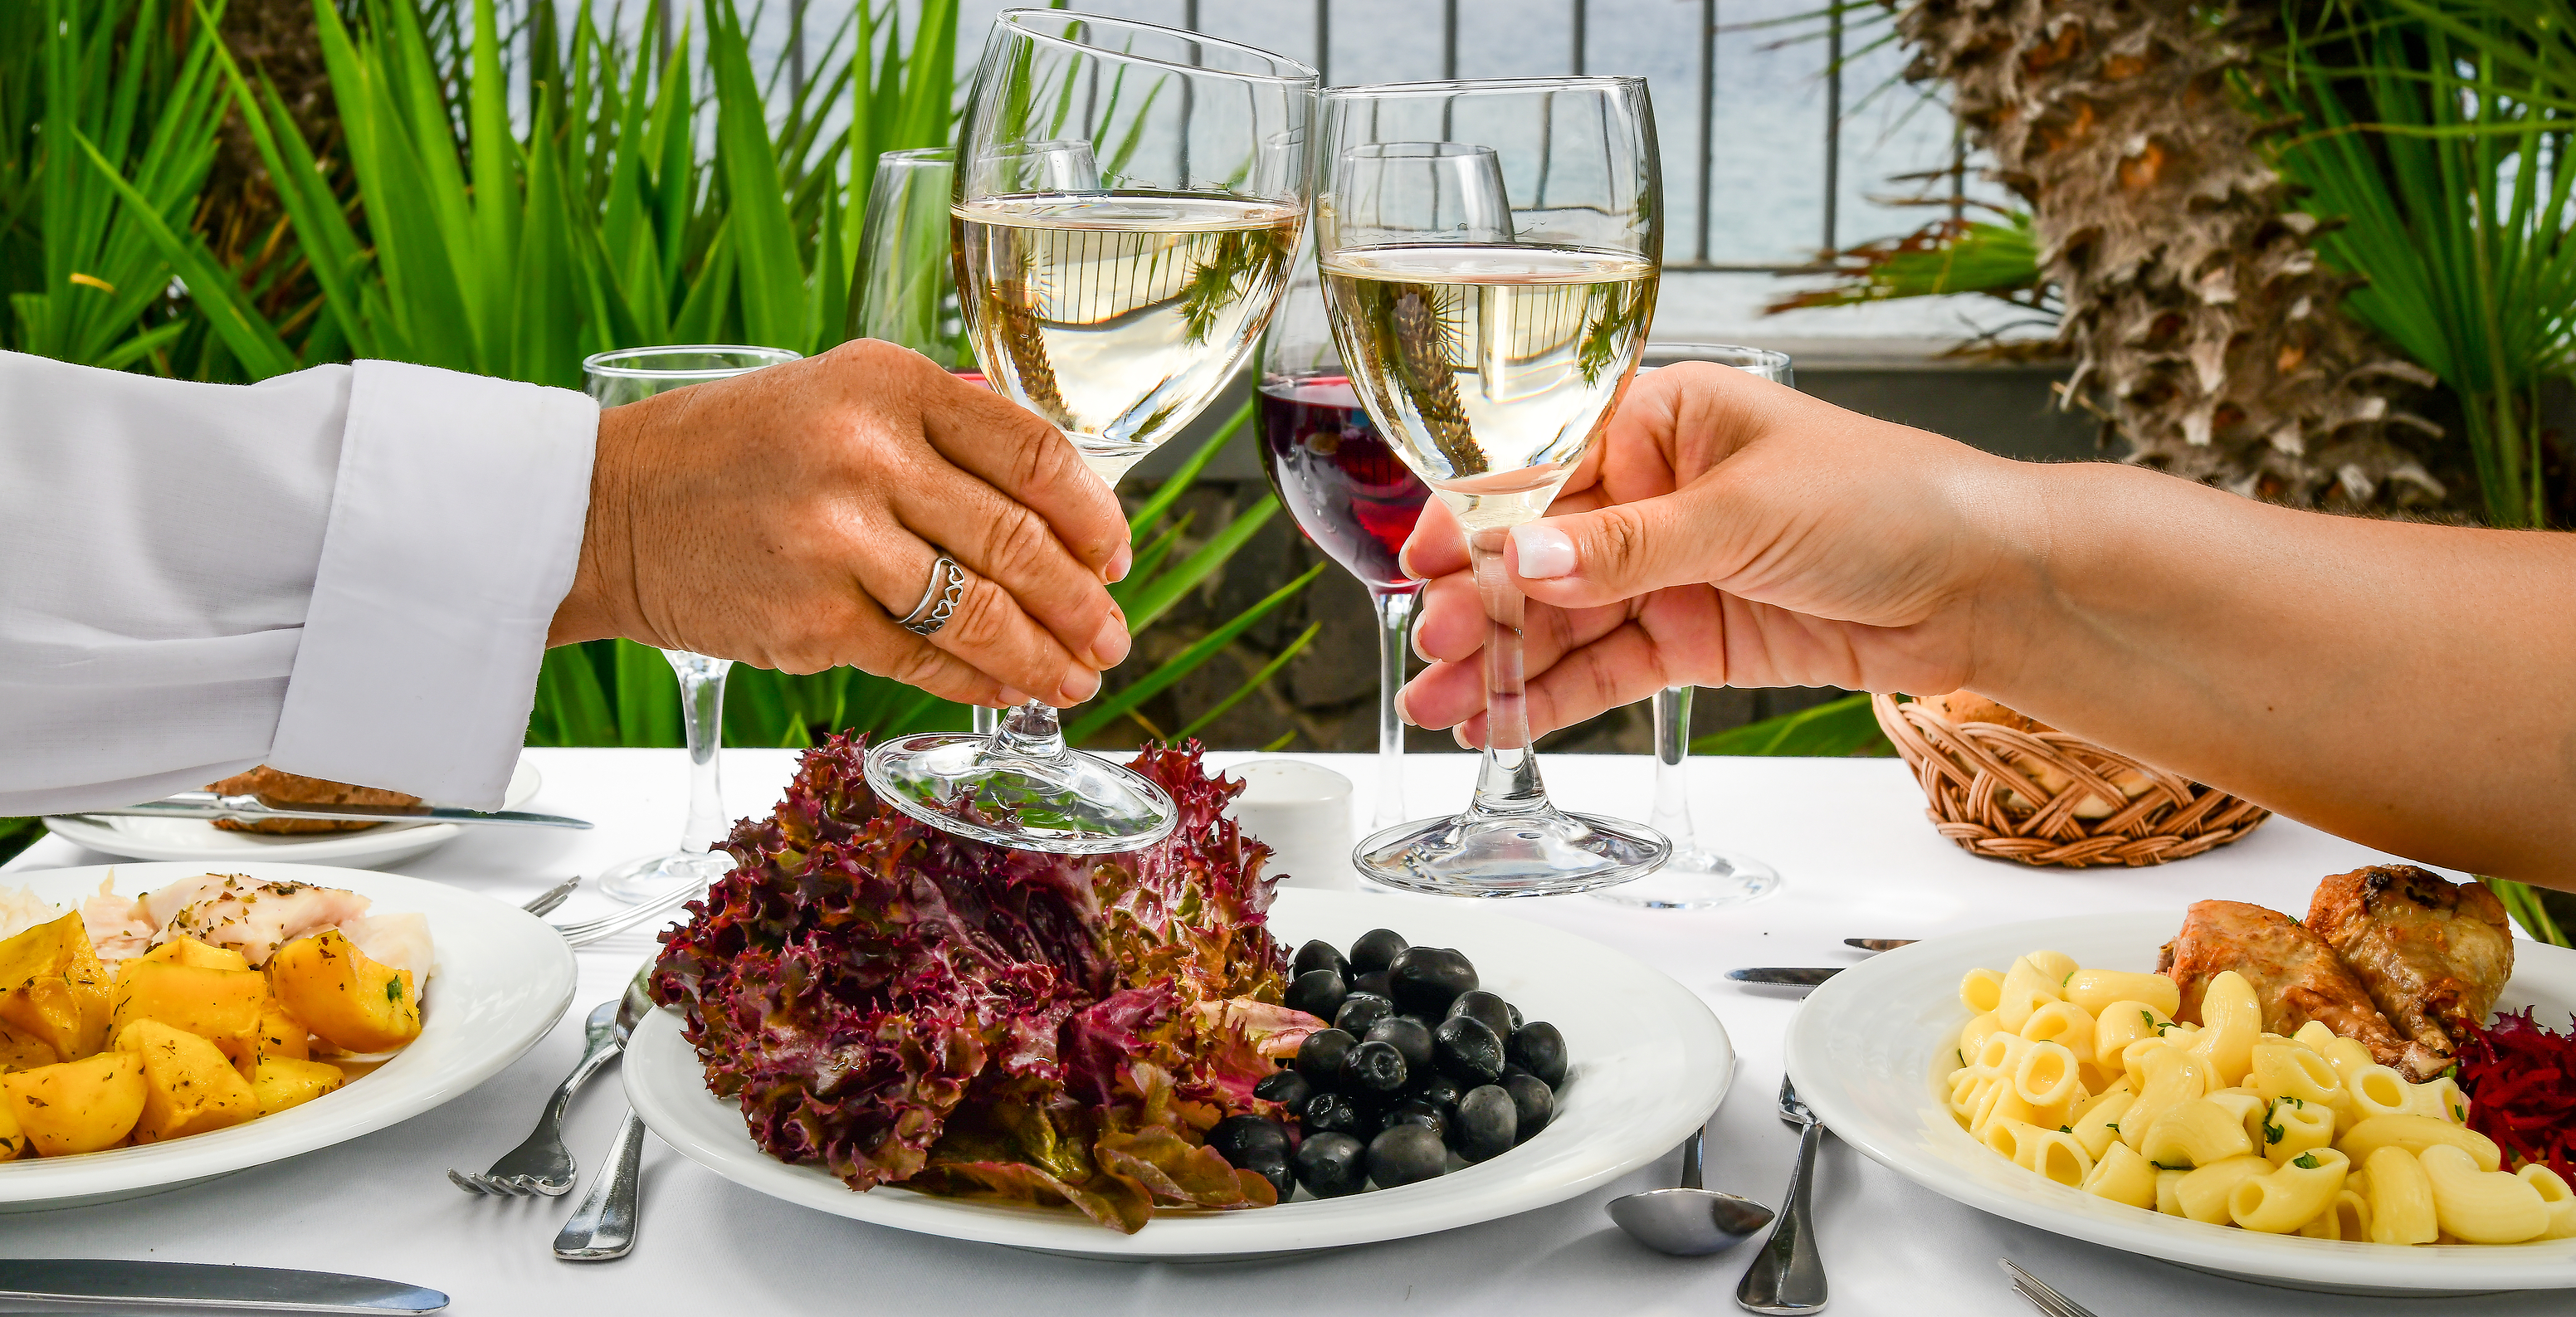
(1492, 357)
(1127, 203)
(1698, 876)
(615, 379)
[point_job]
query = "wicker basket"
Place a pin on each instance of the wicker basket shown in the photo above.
(1967, 770)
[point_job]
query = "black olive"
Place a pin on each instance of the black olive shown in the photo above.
(1375, 949)
(1373, 981)
(1426, 979)
(1360, 1010)
(1402, 1154)
(1439, 1090)
(1239, 1138)
(1409, 1037)
(1466, 1051)
(1487, 1123)
(1287, 1088)
(1538, 1048)
(1330, 1113)
(1534, 1101)
(1318, 993)
(1485, 1006)
(1316, 955)
(1415, 1111)
(1373, 1067)
(1273, 1166)
(1515, 1013)
(1319, 1058)
(1331, 1165)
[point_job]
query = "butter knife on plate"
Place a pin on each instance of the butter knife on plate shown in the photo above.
(123, 1285)
(1784, 978)
(207, 805)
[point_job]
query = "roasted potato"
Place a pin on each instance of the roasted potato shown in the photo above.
(190, 1086)
(20, 1050)
(210, 1003)
(283, 1082)
(351, 1002)
(182, 949)
(13, 1141)
(53, 987)
(279, 1034)
(78, 1106)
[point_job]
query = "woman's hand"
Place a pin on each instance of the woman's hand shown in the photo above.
(786, 518)
(1729, 531)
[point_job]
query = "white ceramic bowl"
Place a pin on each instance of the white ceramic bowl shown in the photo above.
(1864, 1052)
(199, 841)
(503, 978)
(1650, 1062)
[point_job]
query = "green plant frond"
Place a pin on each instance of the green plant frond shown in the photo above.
(1254, 683)
(1179, 482)
(1099, 716)
(1165, 590)
(1840, 728)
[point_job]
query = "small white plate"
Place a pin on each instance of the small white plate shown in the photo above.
(1863, 1051)
(1650, 1062)
(199, 840)
(503, 978)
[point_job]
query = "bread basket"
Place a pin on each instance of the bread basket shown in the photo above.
(2051, 798)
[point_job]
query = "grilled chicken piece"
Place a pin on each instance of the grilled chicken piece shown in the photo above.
(2433, 954)
(2296, 976)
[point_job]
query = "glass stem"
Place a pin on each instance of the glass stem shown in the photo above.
(1507, 784)
(1029, 731)
(1672, 816)
(1394, 616)
(702, 683)
(987, 721)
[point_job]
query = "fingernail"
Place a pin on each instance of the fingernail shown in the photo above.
(1109, 648)
(1012, 699)
(1543, 551)
(1403, 700)
(1459, 734)
(1119, 563)
(1079, 687)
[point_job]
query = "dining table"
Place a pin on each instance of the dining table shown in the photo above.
(1857, 858)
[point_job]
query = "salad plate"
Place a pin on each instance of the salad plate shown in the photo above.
(1869, 1048)
(1650, 1062)
(199, 841)
(503, 978)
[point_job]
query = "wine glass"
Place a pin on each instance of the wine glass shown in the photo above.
(1128, 201)
(1492, 360)
(1698, 876)
(1346, 489)
(615, 379)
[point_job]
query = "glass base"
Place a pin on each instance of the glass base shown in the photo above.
(1539, 854)
(1069, 803)
(649, 876)
(1698, 878)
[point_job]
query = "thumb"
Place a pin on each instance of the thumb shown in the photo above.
(1608, 555)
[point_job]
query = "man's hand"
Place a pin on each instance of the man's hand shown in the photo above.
(1726, 531)
(787, 517)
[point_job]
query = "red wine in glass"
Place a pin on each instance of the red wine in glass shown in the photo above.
(1347, 490)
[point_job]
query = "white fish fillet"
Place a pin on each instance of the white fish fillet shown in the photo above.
(249, 915)
(398, 940)
(119, 929)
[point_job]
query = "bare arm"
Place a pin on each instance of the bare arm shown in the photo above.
(2400, 685)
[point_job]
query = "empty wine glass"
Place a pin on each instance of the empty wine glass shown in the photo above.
(1698, 876)
(1490, 351)
(1128, 200)
(615, 379)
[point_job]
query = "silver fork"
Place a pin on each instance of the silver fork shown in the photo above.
(1788, 1279)
(545, 901)
(542, 1165)
(592, 930)
(2041, 1296)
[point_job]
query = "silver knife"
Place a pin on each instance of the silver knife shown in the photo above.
(200, 1285)
(1793, 978)
(208, 805)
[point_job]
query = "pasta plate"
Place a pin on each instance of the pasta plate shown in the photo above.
(1869, 1048)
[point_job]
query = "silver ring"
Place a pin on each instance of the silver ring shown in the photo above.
(938, 599)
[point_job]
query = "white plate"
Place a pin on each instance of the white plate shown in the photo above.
(503, 979)
(1649, 1063)
(199, 840)
(1862, 1052)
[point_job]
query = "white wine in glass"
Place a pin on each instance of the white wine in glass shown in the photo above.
(1129, 198)
(1492, 361)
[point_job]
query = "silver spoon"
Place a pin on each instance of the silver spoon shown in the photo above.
(1689, 1221)
(602, 1229)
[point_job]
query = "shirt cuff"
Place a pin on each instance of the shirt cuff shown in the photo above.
(455, 526)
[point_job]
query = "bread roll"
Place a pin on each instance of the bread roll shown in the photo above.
(273, 787)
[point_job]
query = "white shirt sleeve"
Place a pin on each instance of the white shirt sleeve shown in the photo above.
(346, 573)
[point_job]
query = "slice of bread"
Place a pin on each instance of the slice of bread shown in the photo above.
(274, 787)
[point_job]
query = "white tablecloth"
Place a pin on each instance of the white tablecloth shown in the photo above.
(1848, 836)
